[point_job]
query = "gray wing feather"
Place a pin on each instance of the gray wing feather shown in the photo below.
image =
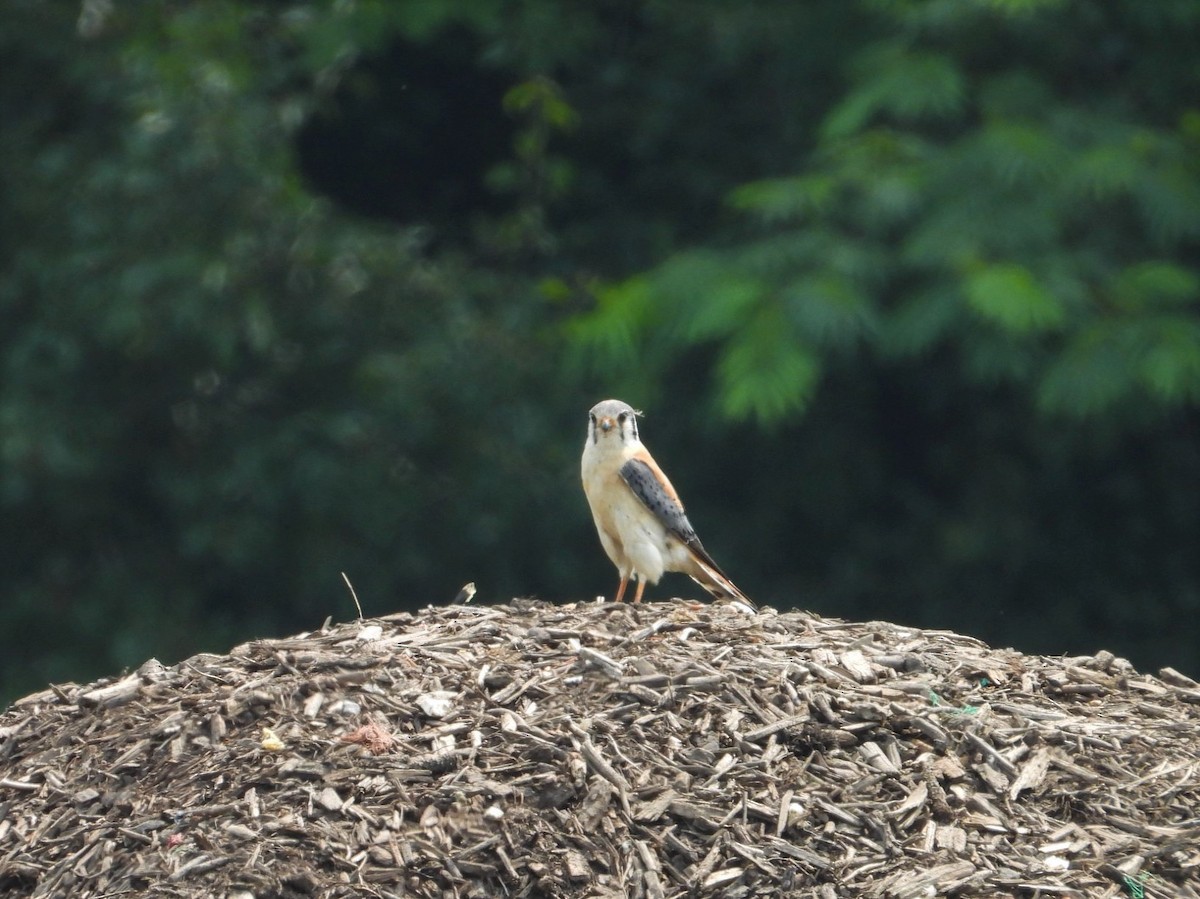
(666, 509)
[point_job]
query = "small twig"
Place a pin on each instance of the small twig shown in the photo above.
(992, 753)
(592, 658)
(13, 784)
(353, 595)
(200, 865)
(597, 762)
(113, 695)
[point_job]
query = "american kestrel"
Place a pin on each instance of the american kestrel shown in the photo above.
(641, 521)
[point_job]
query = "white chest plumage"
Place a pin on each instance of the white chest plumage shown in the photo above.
(632, 536)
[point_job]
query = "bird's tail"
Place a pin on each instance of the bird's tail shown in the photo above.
(718, 584)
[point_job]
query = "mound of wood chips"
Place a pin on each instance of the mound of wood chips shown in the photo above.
(664, 750)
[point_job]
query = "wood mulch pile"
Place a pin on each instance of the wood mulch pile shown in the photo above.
(664, 750)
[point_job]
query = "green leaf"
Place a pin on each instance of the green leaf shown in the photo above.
(1155, 283)
(1168, 198)
(851, 115)
(1170, 365)
(707, 294)
(786, 199)
(904, 84)
(765, 372)
(1091, 374)
(1008, 295)
(543, 99)
(1017, 153)
(608, 335)
(920, 321)
(721, 308)
(829, 309)
(1102, 172)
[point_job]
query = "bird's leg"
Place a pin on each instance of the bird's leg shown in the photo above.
(641, 588)
(621, 589)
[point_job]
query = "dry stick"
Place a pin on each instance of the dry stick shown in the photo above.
(600, 765)
(353, 595)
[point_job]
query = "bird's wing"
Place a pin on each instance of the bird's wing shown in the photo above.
(655, 492)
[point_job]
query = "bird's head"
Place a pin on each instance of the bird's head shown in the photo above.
(613, 420)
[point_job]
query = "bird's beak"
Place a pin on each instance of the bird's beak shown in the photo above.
(606, 424)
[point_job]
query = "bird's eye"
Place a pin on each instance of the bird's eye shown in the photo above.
(621, 418)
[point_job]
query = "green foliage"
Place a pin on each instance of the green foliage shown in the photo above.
(1010, 297)
(1155, 283)
(896, 83)
(765, 371)
(939, 256)
(218, 393)
(952, 193)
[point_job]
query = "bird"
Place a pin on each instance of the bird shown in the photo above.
(641, 521)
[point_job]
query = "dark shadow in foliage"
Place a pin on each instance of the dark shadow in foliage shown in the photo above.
(411, 133)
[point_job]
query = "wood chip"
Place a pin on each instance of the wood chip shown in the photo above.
(1032, 773)
(666, 750)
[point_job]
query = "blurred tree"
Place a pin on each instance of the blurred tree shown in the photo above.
(218, 393)
(1029, 201)
(289, 291)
